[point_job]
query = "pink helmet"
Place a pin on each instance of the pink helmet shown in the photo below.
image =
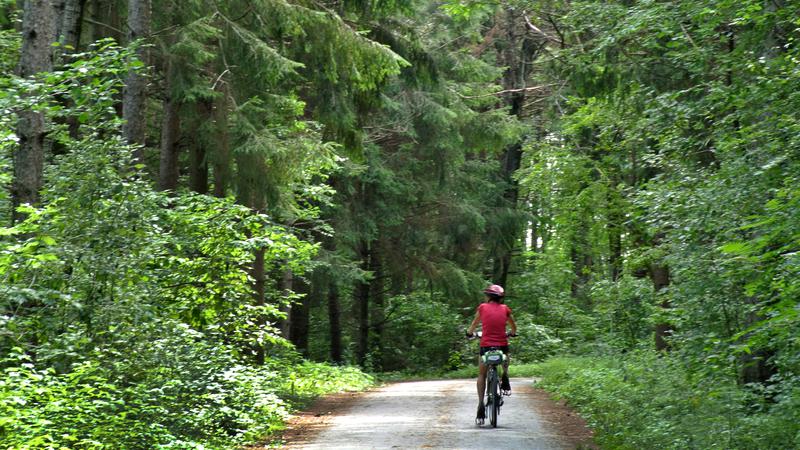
(494, 290)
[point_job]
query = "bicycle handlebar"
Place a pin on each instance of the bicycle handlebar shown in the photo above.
(478, 334)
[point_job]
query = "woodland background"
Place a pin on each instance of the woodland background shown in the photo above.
(215, 210)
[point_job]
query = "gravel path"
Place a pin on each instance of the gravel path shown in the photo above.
(441, 415)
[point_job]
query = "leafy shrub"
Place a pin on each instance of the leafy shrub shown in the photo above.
(535, 342)
(197, 403)
(623, 308)
(649, 401)
(425, 332)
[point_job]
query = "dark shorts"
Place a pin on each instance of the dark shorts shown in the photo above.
(503, 348)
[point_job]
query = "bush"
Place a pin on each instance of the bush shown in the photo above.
(535, 342)
(426, 333)
(644, 400)
(200, 402)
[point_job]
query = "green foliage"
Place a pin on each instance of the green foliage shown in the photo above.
(184, 395)
(535, 342)
(542, 300)
(667, 159)
(624, 309)
(126, 313)
(658, 187)
(425, 333)
(308, 380)
(648, 400)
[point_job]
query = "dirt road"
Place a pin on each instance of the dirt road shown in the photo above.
(440, 415)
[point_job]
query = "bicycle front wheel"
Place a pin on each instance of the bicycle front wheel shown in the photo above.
(494, 397)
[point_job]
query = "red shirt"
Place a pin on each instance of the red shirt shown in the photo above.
(493, 321)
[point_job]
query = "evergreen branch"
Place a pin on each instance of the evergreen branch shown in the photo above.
(165, 30)
(507, 91)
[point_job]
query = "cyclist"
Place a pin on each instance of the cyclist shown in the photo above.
(493, 316)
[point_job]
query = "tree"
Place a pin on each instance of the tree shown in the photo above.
(71, 23)
(134, 95)
(36, 56)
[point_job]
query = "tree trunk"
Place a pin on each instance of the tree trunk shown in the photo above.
(286, 287)
(515, 51)
(377, 310)
(169, 170)
(69, 21)
(221, 156)
(328, 279)
(198, 169)
(198, 162)
(362, 304)
(615, 246)
(301, 311)
(614, 230)
(71, 24)
(259, 280)
(36, 55)
(134, 95)
(755, 366)
(334, 321)
(659, 273)
(582, 262)
(106, 20)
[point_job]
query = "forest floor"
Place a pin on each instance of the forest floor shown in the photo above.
(435, 415)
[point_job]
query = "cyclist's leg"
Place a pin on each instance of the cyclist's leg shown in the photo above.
(481, 380)
(481, 388)
(505, 384)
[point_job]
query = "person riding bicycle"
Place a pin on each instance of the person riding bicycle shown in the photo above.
(493, 316)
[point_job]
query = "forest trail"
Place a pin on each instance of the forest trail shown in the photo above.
(437, 415)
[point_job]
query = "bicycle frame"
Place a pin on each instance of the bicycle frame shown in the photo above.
(493, 359)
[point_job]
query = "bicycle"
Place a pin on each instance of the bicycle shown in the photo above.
(493, 358)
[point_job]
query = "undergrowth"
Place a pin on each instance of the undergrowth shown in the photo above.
(206, 406)
(644, 400)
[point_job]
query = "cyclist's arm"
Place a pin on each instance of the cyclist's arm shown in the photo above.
(475, 322)
(512, 323)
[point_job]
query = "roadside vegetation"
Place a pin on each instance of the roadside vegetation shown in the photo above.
(211, 212)
(645, 400)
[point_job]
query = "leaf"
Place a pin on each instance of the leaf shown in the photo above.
(737, 248)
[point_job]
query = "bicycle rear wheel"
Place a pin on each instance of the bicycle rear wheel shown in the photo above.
(494, 396)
